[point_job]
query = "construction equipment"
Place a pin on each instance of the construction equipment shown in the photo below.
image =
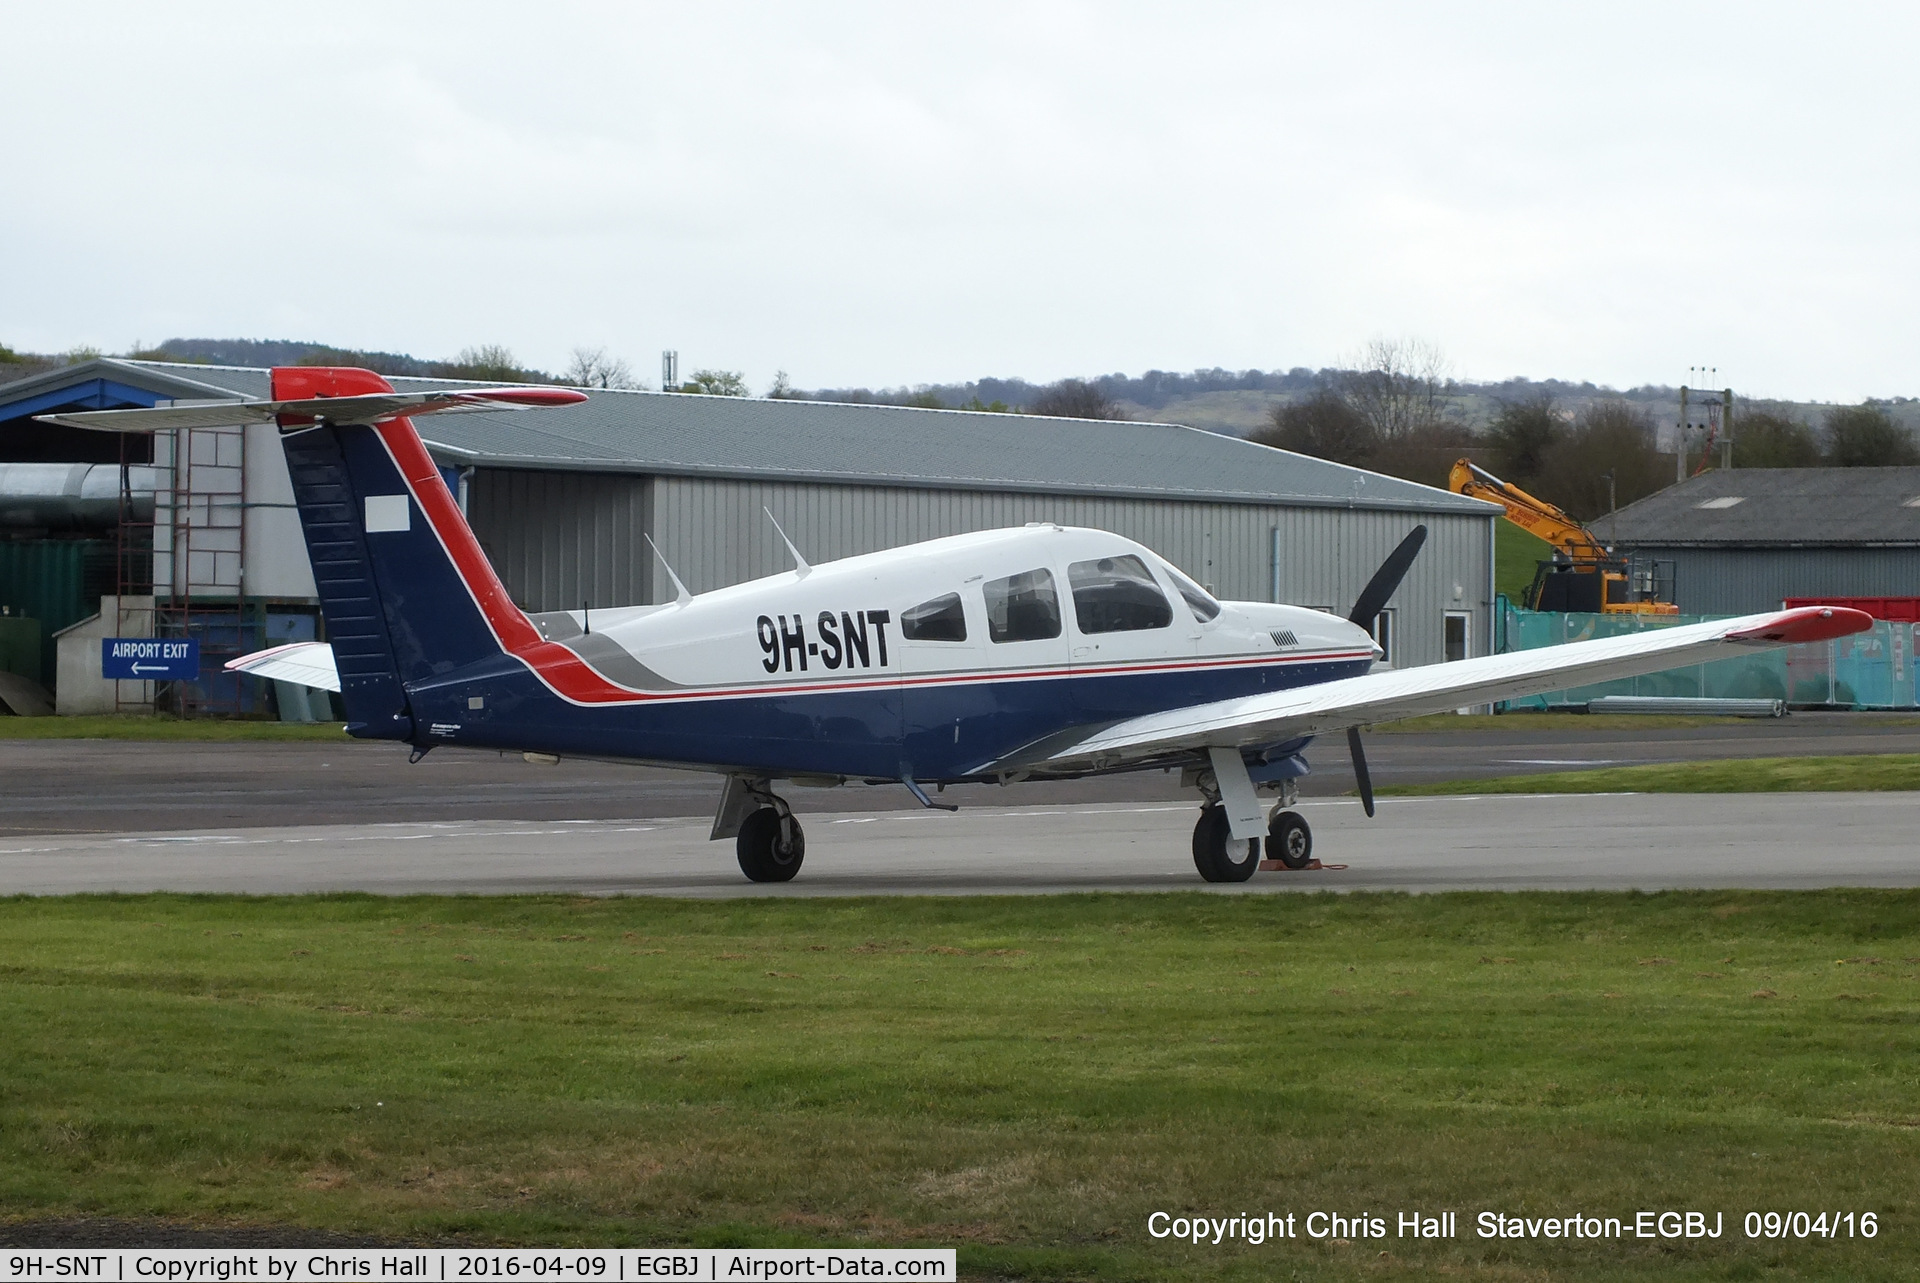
(1583, 575)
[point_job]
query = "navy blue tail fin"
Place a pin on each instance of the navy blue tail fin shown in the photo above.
(393, 560)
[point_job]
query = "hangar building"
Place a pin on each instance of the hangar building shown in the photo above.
(1743, 540)
(560, 499)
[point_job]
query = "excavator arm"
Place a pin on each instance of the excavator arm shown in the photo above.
(1532, 514)
(1580, 561)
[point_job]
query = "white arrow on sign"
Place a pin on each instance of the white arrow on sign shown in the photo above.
(149, 668)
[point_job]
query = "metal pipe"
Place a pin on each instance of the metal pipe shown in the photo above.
(72, 496)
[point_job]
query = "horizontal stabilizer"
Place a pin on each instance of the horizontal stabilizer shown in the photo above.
(1390, 695)
(374, 407)
(302, 663)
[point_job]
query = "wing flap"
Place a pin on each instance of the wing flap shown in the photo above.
(1389, 696)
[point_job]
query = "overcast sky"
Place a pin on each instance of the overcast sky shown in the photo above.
(895, 194)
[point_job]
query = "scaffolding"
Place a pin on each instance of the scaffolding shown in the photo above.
(194, 562)
(133, 574)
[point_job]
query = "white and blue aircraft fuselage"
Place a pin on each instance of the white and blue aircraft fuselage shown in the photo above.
(1042, 651)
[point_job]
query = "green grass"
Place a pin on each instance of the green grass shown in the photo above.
(1868, 773)
(197, 730)
(1025, 1078)
(1515, 555)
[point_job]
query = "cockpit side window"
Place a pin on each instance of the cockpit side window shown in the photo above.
(941, 619)
(1199, 600)
(1022, 607)
(1117, 595)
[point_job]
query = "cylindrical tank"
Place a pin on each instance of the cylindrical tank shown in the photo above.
(72, 496)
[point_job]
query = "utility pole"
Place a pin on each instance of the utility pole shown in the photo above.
(1726, 429)
(1680, 442)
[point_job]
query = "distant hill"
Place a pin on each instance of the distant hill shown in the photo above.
(1237, 402)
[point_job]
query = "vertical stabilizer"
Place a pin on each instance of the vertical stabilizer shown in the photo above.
(406, 591)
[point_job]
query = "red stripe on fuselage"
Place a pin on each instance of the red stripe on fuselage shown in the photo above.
(564, 672)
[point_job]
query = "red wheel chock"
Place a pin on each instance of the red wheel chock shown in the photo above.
(1274, 866)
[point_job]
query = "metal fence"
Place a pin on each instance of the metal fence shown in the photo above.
(1874, 669)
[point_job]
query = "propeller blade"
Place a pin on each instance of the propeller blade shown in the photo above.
(1360, 776)
(1374, 597)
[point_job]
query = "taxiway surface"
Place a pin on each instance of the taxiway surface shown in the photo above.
(1506, 842)
(106, 786)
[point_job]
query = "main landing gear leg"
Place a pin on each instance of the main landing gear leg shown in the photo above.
(767, 838)
(1226, 843)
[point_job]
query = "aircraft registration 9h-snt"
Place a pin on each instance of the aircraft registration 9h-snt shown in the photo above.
(1005, 655)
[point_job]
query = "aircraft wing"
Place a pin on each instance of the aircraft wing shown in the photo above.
(1386, 696)
(303, 663)
(373, 407)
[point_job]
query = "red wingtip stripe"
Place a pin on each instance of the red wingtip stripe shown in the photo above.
(531, 396)
(1807, 624)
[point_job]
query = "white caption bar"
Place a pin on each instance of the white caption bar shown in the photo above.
(393, 1265)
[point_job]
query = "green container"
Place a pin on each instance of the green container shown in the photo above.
(57, 582)
(20, 646)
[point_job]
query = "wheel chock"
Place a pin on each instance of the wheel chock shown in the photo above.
(1274, 866)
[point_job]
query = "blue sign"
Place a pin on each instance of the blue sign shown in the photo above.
(150, 659)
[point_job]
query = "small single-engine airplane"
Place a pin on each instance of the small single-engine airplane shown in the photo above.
(1004, 655)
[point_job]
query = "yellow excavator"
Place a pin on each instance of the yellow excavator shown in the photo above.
(1583, 575)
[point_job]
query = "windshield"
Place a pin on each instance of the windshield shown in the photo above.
(1199, 600)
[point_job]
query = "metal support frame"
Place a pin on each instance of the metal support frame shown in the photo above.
(200, 555)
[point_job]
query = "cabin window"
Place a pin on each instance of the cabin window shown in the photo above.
(1199, 600)
(1117, 595)
(938, 620)
(1022, 607)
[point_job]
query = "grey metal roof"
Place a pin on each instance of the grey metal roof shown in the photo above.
(741, 437)
(179, 382)
(1776, 508)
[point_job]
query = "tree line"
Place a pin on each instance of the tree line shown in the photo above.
(1393, 416)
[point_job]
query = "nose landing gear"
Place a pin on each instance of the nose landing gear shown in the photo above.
(1289, 840)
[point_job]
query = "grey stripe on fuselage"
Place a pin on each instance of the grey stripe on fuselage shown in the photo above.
(616, 663)
(556, 625)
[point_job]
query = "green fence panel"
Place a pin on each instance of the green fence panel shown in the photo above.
(1874, 669)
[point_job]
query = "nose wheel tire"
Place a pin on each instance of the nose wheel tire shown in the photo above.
(1215, 852)
(770, 846)
(1289, 840)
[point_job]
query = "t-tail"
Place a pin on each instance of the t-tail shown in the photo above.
(408, 594)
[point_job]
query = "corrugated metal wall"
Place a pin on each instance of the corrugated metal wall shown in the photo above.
(558, 539)
(1714, 581)
(715, 534)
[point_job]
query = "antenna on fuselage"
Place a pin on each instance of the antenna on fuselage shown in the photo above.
(800, 566)
(681, 595)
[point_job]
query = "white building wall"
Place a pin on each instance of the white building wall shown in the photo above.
(276, 563)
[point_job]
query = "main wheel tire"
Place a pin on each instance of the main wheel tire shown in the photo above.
(1289, 840)
(1215, 852)
(765, 855)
